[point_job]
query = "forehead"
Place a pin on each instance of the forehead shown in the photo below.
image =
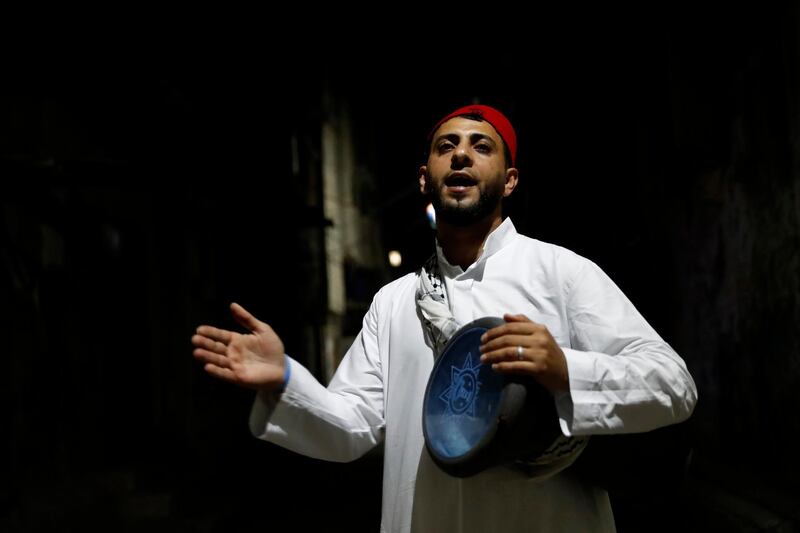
(464, 127)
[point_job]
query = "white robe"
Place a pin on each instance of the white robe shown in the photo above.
(623, 378)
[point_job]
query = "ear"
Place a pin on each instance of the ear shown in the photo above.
(512, 178)
(423, 179)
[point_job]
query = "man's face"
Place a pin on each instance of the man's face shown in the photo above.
(466, 174)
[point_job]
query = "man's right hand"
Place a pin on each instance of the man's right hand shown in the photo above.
(255, 360)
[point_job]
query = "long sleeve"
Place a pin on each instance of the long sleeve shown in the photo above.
(623, 377)
(337, 423)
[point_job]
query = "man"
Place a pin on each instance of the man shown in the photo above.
(567, 325)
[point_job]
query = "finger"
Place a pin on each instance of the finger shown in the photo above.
(511, 328)
(246, 320)
(506, 340)
(509, 353)
(516, 367)
(222, 335)
(508, 317)
(211, 357)
(222, 373)
(209, 344)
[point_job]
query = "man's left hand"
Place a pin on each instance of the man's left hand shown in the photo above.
(521, 346)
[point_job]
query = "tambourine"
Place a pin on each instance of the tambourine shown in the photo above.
(474, 417)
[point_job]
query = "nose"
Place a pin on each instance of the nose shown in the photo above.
(461, 157)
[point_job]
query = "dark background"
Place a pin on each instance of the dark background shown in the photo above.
(148, 181)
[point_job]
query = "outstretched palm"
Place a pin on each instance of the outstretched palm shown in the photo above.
(254, 359)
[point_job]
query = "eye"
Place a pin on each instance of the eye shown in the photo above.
(445, 146)
(483, 148)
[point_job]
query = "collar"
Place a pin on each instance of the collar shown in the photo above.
(502, 235)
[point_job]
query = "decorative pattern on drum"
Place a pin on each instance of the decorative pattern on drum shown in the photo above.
(464, 387)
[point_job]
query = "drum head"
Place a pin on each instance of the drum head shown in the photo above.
(474, 417)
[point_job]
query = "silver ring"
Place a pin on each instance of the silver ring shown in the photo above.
(519, 353)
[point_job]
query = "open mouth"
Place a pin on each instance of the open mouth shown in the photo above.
(459, 182)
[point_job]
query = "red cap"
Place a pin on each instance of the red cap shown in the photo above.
(491, 115)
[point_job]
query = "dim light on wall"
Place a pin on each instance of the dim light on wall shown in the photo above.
(395, 259)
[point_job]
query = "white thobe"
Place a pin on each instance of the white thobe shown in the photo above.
(623, 378)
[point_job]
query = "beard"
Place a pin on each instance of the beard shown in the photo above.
(459, 214)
